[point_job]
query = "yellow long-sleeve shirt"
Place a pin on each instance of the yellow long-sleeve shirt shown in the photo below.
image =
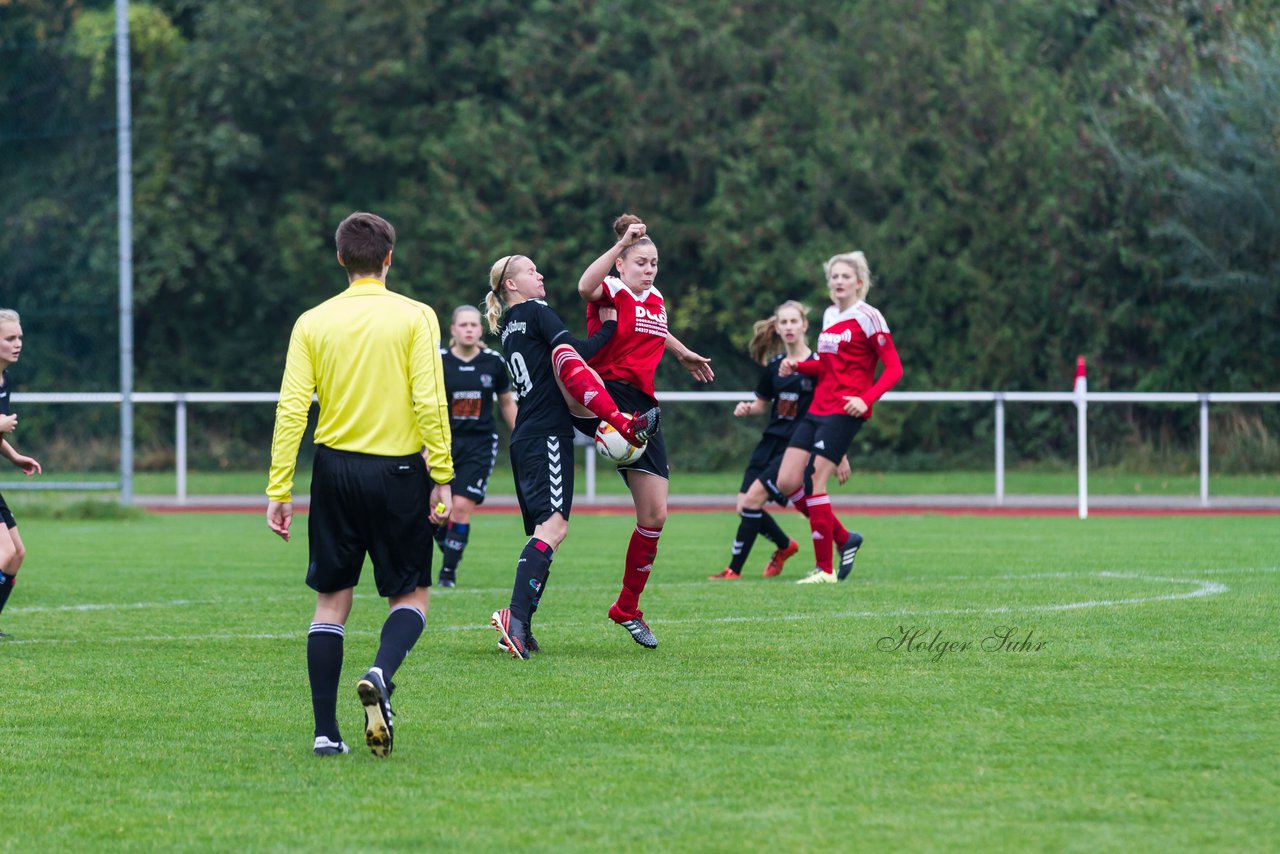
(372, 358)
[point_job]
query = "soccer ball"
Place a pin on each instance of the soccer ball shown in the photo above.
(611, 446)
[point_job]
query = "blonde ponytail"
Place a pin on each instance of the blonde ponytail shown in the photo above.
(495, 301)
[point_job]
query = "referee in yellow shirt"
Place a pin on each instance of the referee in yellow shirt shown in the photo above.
(382, 468)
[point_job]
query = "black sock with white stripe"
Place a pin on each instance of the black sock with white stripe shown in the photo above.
(324, 668)
(453, 544)
(748, 529)
(770, 528)
(400, 632)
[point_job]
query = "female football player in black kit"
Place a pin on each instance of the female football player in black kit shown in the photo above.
(473, 375)
(548, 373)
(11, 549)
(779, 336)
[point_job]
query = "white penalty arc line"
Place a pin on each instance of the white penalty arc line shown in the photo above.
(1202, 589)
(490, 591)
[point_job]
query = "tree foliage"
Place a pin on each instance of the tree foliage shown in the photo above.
(1030, 179)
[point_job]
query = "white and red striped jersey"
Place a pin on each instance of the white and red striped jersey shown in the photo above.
(633, 353)
(851, 343)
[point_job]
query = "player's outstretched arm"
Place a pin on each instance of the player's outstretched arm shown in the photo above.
(698, 366)
(29, 465)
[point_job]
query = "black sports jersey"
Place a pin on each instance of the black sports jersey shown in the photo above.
(470, 387)
(4, 392)
(529, 332)
(791, 396)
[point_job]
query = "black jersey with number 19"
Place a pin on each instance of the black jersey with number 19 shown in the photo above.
(529, 332)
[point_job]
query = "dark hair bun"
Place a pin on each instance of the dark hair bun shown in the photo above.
(622, 223)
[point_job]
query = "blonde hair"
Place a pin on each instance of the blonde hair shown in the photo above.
(620, 226)
(454, 319)
(765, 340)
(495, 302)
(8, 315)
(861, 271)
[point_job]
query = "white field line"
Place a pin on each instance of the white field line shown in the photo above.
(492, 591)
(1202, 589)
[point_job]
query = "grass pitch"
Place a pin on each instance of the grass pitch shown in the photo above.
(982, 683)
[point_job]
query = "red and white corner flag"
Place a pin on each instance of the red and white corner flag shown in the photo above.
(1081, 384)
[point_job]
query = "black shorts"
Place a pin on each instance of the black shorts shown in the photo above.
(543, 470)
(473, 460)
(826, 435)
(631, 399)
(361, 504)
(763, 466)
(7, 515)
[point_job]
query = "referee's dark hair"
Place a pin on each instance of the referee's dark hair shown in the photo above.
(363, 240)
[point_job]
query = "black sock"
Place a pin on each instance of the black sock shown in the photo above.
(6, 586)
(453, 543)
(531, 576)
(533, 606)
(770, 528)
(400, 632)
(748, 528)
(324, 668)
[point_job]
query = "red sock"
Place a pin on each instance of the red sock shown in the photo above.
(839, 534)
(821, 522)
(585, 389)
(641, 553)
(799, 499)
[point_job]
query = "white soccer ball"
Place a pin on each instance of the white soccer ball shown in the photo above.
(611, 446)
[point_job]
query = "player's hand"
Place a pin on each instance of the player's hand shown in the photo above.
(635, 232)
(855, 406)
(743, 408)
(607, 313)
(843, 471)
(787, 368)
(280, 517)
(698, 366)
(441, 503)
(8, 423)
(29, 465)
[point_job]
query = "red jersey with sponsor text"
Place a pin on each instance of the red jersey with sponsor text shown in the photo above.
(851, 343)
(633, 353)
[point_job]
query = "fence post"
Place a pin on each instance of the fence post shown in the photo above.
(999, 448)
(1082, 435)
(1204, 450)
(180, 446)
(589, 468)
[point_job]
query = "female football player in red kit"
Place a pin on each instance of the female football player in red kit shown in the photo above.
(854, 338)
(627, 365)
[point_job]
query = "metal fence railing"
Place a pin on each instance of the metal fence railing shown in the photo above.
(182, 400)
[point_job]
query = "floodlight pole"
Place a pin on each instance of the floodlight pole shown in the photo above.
(124, 144)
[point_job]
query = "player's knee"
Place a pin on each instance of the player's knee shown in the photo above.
(553, 531)
(655, 518)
